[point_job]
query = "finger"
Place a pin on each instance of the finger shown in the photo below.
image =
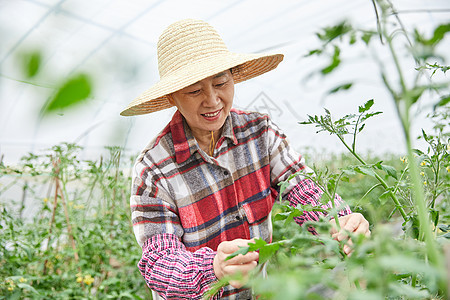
(334, 228)
(233, 246)
(348, 250)
(353, 222)
(363, 228)
(243, 259)
(239, 269)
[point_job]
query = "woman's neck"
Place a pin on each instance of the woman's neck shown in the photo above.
(207, 140)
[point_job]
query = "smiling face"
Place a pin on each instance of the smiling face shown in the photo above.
(205, 104)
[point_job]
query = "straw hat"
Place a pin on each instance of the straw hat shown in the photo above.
(192, 50)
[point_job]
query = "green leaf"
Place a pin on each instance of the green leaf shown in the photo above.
(384, 197)
(405, 290)
(242, 250)
(415, 93)
(31, 63)
(365, 170)
(367, 36)
(391, 171)
(417, 151)
(76, 89)
(361, 128)
(257, 244)
(366, 106)
(341, 87)
(370, 115)
(349, 172)
(434, 214)
(267, 251)
(444, 227)
(439, 33)
(314, 52)
(335, 62)
(442, 102)
(27, 287)
(331, 33)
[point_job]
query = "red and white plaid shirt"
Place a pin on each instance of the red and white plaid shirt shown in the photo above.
(184, 202)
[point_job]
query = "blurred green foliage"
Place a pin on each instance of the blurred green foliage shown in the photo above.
(90, 204)
(73, 91)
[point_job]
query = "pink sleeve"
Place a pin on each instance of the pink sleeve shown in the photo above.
(175, 273)
(306, 192)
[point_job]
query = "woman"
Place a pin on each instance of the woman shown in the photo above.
(207, 183)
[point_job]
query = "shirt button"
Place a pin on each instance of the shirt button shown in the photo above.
(238, 218)
(225, 173)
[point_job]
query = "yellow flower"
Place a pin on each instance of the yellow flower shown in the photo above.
(423, 163)
(22, 279)
(45, 200)
(448, 169)
(79, 279)
(422, 173)
(425, 183)
(88, 279)
(11, 288)
(70, 203)
(81, 206)
(403, 159)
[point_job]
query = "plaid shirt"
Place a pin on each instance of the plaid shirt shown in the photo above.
(185, 203)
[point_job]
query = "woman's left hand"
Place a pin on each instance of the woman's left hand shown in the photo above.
(355, 223)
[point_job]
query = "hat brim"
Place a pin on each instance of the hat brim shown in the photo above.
(155, 98)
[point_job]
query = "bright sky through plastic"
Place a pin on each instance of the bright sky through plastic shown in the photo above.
(115, 42)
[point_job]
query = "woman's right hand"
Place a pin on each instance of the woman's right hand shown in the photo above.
(242, 264)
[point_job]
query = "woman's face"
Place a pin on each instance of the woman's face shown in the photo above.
(205, 104)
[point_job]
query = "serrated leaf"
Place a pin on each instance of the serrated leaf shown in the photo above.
(267, 251)
(370, 115)
(331, 33)
(366, 106)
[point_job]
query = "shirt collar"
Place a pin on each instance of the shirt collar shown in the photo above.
(184, 142)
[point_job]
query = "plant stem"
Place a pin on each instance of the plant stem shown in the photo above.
(403, 105)
(383, 183)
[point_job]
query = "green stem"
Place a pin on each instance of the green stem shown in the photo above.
(369, 191)
(383, 183)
